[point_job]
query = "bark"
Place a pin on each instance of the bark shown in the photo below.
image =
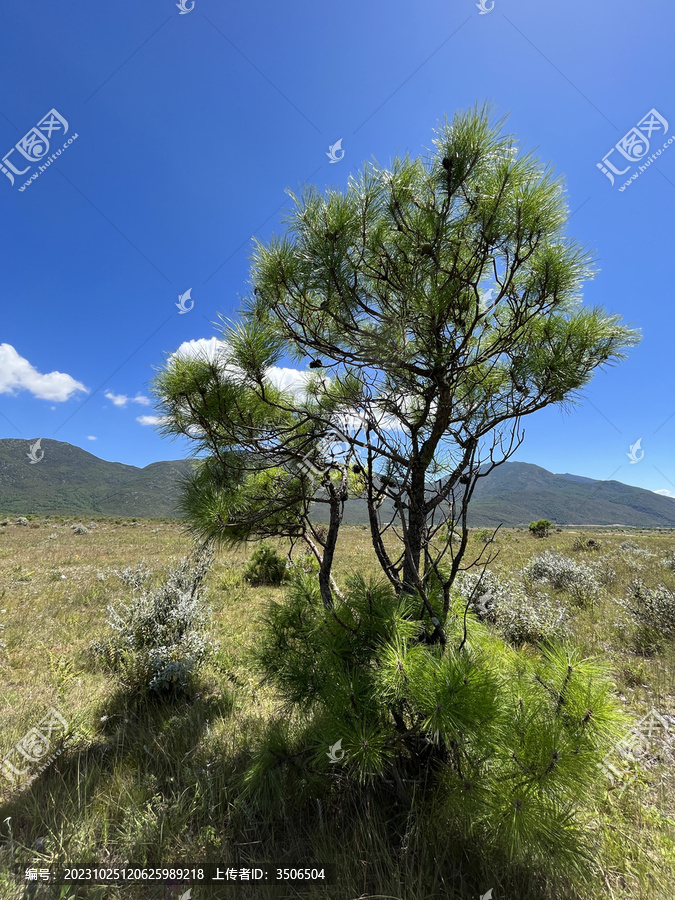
(415, 532)
(378, 544)
(337, 496)
(319, 558)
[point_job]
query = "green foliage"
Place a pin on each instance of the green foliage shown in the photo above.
(540, 528)
(475, 214)
(510, 742)
(267, 567)
(306, 563)
(159, 642)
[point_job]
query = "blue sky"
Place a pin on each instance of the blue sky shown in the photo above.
(191, 126)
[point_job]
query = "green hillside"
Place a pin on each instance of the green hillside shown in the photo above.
(71, 481)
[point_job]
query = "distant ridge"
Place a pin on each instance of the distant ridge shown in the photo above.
(577, 477)
(71, 481)
(518, 493)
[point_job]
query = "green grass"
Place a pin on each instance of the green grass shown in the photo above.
(156, 784)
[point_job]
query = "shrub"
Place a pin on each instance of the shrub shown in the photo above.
(321, 532)
(532, 620)
(653, 614)
(80, 529)
(632, 550)
(159, 643)
(563, 574)
(518, 617)
(484, 590)
(306, 563)
(540, 528)
(134, 578)
(604, 571)
(629, 545)
(484, 730)
(267, 567)
(582, 544)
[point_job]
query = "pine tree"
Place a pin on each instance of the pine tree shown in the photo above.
(381, 290)
(510, 743)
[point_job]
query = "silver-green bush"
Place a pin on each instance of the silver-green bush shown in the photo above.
(652, 611)
(518, 616)
(159, 642)
(563, 574)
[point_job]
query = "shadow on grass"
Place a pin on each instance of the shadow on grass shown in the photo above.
(123, 791)
(149, 785)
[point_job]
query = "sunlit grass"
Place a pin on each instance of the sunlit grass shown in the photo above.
(155, 783)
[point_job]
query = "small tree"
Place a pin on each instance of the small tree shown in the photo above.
(267, 567)
(511, 744)
(437, 304)
(540, 528)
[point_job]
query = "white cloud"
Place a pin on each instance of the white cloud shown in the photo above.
(665, 493)
(17, 374)
(287, 379)
(90, 437)
(117, 399)
(149, 420)
(122, 399)
(204, 347)
(212, 349)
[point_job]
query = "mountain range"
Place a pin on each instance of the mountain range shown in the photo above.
(68, 480)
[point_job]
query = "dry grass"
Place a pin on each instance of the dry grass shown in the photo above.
(154, 785)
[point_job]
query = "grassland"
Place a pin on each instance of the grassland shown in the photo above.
(153, 784)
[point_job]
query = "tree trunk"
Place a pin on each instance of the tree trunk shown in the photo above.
(336, 511)
(414, 533)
